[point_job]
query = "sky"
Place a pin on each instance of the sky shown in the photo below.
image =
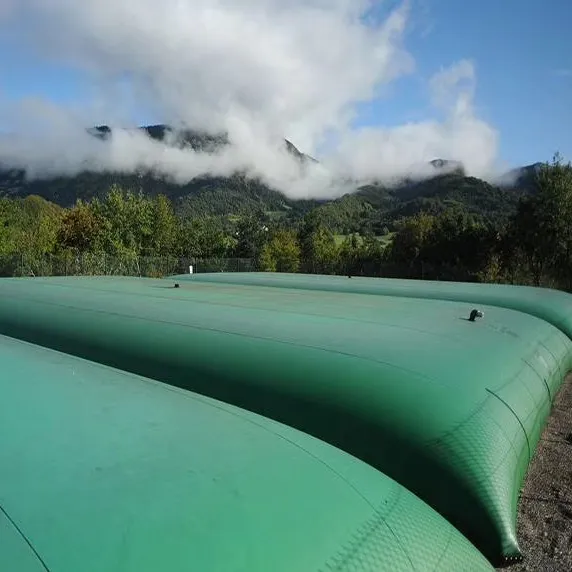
(374, 90)
(522, 51)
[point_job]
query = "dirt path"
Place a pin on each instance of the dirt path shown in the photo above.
(545, 510)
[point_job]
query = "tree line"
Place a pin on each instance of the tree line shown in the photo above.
(115, 234)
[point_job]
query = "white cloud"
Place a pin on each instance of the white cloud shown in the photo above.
(462, 136)
(258, 69)
(295, 66)
(453, 88)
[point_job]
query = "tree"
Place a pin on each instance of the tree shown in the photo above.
(251, 236)
(80, 228)
(411, 238)
(317, 244)
(281, 253)
(127, 222)
(372, 255)
(350, 255)
(451, 245)
(164, 227)
(202, 238)
(6, 232)
(28, 228)
(457, 239)
(541, 230)
(36, 223)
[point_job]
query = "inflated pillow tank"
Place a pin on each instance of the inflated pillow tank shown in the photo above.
(551, 305)
(450, 408)
(109, 472)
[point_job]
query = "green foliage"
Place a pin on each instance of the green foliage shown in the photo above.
(251, 236)
(348, 214)
(80, 228)
(361, 255)
(351, 255)
(28, 228)
(203, 238)
(164, 227)
(6, 235)
(281, 253)
(540, 235)
(32, 225)
(127, 222)
(369, 209)
(412, 237)
(448, 227)
(377, 209)
(453, 243)
(317, 245)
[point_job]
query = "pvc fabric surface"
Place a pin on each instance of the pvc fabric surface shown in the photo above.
(104, 471)
(554, 306)
(451, 409)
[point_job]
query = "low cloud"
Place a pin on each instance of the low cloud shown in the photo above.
(460, 135)
(259, 70)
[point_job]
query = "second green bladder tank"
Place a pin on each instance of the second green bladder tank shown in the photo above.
(451, 409)
(553, 306)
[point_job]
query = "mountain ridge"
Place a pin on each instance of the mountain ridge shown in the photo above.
(374, 205)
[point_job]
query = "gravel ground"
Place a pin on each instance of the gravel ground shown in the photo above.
(545, 508)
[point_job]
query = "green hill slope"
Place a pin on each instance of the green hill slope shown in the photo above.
(372, 207)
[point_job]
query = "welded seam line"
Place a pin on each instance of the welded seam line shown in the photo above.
(21, 533)
(517, 418)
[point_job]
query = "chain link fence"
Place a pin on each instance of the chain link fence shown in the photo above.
(204, 265)
(415, 270)
(91, 264)
(99, 264)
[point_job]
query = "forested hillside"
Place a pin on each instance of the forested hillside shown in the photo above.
(449, 234)
(449, 226)
(206, 195)
(379, 209)
(373, 208)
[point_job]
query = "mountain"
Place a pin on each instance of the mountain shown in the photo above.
(371, 207)
(200, 141)
(181, 138)
(377, 207)
(523, 178)
(443, 166)
(203, 195)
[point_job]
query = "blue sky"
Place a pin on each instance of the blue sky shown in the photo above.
(522, 51)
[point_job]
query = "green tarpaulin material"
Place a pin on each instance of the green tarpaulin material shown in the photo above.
(449, 408)
(553, 306)
(103, 471)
